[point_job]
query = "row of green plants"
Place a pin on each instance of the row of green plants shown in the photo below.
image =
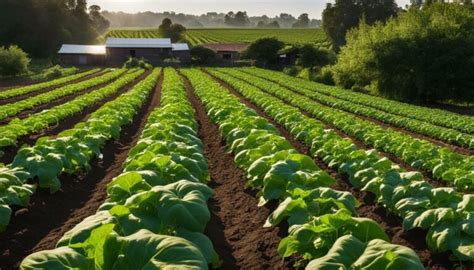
(23, 90)
(430, 115)
(447, 215)
(420, 126)
(156, 210)
(73, 149)
(443, 163)
(323, 221)
(34, 123)
(12, 109)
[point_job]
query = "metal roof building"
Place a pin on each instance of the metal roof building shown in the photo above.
(138, 43)
(82, 49)
(117, 50)
(180, 47)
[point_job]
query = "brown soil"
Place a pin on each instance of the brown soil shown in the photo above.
(70, 122)
(49, 216)
(369, 208)
(464, 110)
(47, 89)
(360, 144)
(236, 226)
(455, 148)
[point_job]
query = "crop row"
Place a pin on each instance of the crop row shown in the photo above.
(421, 127)
(36, 122)
(323, 226)
(12, 109)
(446, 214)
(35, 87)
(73, 149)
(434, 116)
(442, 162)
(156, 210)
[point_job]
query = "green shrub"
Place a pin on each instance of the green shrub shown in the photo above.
(310, 56)
(325, 75)
(133, 62)
(201, 55)
(53, 72)
(13, 61)
(423, 55)
(292, 71)
(264, 50)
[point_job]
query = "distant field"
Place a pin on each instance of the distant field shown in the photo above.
(233, 35)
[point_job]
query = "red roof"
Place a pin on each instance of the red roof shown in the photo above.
(219, 47)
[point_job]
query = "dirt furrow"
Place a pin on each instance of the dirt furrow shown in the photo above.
(369, 208)
(47, 89)
(236, 226)
(49, 216)
(360, 144)
(70, 122)
(452, 147)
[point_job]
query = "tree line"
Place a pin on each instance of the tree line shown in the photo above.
(210, 19)
(424, 53)
(39, 27)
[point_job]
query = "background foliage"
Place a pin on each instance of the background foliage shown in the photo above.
(423, 55)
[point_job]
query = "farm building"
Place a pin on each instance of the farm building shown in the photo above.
(181, 52)
(288, 56)
(227, 52)
(117, 50)
(82, 54)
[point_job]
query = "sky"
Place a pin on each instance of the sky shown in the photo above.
(253, 8)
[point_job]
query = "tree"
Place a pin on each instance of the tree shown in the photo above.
(13, 61)
(424, 55)
(273, 24)
(343, 15)
(239, 19)
(201, 55)
(264, 50)
(310, 56)
(170, 30)
(100, 23)
(41, 27)
(261, 24)
(302, 22)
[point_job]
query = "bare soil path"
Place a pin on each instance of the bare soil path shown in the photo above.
(236, 226)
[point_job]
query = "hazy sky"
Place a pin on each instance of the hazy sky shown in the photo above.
(259, 7)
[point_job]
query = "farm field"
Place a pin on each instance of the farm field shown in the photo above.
(233, 35)
(229, 168)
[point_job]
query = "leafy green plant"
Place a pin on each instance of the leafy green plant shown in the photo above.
(38, 86)
(319, 214)
(443, 212)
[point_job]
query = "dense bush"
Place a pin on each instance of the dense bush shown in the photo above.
(324, 75)
(343, 15)
(201, 55)
(133, 62)
(264, 51)
(13, 61)
(423, 55)
(310, 56)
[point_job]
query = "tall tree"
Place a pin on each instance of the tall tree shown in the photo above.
(171, 30)
(343, 15)
(40, 27)
(302, 22)
(239, 19)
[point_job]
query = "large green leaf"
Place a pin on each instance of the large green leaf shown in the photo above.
(57, 259)
(163, 208)
(348, 252)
